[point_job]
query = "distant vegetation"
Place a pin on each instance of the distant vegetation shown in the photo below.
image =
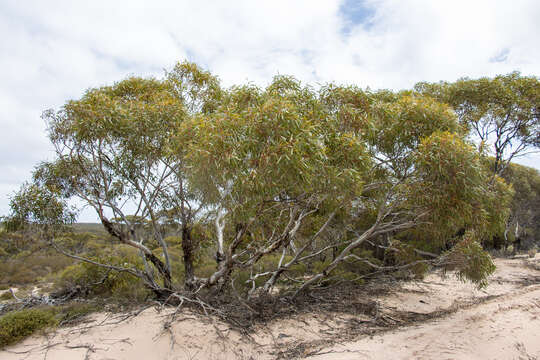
(204, 191)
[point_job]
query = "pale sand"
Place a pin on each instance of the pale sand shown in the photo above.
(500, 322)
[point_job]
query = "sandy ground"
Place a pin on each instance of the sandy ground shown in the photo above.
(504, 323)
(437, 318)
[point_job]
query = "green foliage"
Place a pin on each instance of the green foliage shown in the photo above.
(99, 281)
(470, 261)
(197, 89)
(6, 296)
(35, 204)
(84, 275)
(524, 221)
(127, 126)
(455, 189)
(501, 111)
(401, 125)
(17, 325)
(349, 105)
(241, 149)
(128, 114)
(20, 324)
(253, 173)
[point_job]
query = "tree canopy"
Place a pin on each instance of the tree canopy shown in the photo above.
(503, 112)
(284, 186)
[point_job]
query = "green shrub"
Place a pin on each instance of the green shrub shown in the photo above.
(15, 326)
(510, 249)
(20, 324)
(84, 275)
(99, 281)
(126, 288)
(6, 296)
(96, 280)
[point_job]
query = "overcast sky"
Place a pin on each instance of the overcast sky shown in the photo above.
(51, 51)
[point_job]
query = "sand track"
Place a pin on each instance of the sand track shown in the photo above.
(504, 327)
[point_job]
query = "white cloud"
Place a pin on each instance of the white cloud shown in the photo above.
(52, 51)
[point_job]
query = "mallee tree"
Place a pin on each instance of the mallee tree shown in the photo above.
(500, 113)
(291, 184)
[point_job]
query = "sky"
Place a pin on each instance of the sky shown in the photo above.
(52, 51)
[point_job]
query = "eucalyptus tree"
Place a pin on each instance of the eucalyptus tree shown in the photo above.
(426, 182)
(200, 93)
(114, 154)
(111, 148)
(267, 160)
(287, 165)
(502, 113)
(286, 175)
(523, 227)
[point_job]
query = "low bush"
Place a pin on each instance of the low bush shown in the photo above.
(98, 281)
(17, 325)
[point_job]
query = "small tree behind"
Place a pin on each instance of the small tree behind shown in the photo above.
(501, 112)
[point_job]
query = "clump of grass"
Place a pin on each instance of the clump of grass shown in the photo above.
(17, 325)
